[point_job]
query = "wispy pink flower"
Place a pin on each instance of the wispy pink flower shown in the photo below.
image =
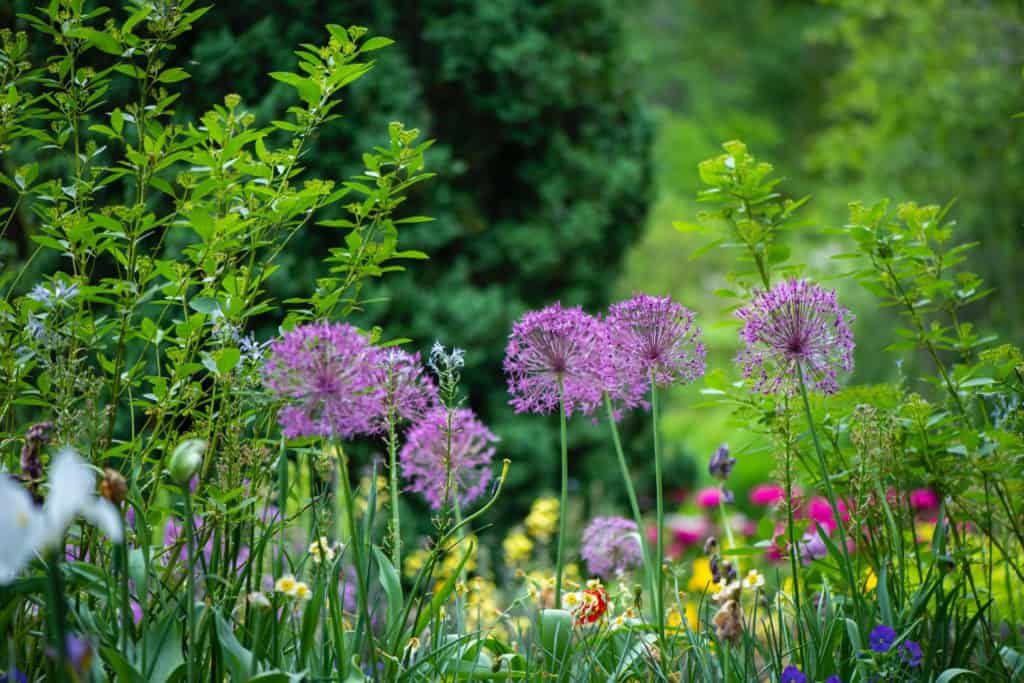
(331, 378)
(795, 323)
(767, 494)
(424, 456)
(555, 346)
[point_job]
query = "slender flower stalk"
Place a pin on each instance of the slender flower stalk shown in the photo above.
(563, 499)
(659, 558)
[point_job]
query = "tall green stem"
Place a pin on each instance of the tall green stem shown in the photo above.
(55, 612)
(355, 543)
(844, 551)
(563, 500)
(396, 530)
(631, 493)
(659, 581)
(190, 590)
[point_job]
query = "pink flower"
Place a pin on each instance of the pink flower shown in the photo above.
(819, 510)
(688, 530)
(709, 497)
(924, 499)
(767, 494)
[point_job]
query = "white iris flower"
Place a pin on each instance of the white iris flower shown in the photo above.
(27, 529)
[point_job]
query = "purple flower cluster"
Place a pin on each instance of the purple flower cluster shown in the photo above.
(409, 393)
(332, 377)
(611, 546)
(556, 350)
(792, 674)
(425, 456)
(659, 338)
(795, 324)
(881, 638)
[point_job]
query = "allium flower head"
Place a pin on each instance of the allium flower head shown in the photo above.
(408, 390)
(551, 346)
(332, 377)
(611, 546)
(425, 454)
(795, 323)
(881, 638)
(658, 336)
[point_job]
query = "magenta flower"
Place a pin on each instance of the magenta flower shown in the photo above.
(924, 499)
(708, 497)
(408, 391)
(611, 546)
(555, 346)
(424, 457)
(795, 323)
(331, 377)
(820, 510)
(767, 494)
(657, 336)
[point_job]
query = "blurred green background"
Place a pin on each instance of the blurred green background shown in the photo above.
(569, 133)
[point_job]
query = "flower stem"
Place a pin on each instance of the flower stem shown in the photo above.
(190, 590)
(631, 493)
(355, 543)
(659, 580)
(396, 529)
(55, 613)
(844, 551)
(564, 497)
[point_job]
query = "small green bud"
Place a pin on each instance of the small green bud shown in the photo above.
(186, 459)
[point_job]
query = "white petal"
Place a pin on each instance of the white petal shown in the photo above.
(101, 513)
(21, 524)
(72, 487)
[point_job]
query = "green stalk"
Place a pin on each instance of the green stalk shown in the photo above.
(357, 552)
(563, 498)
(631, 493)
(55, 613)
(659, 581)
(843, 550)
(396, 530)
(190, 593)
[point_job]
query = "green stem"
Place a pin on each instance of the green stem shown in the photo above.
(659, 557)
(844, 551)
(631, 493)
(396, 530)
(794, 549)
(190, 593)
(563, 498)
(55, 612)
(357, 552)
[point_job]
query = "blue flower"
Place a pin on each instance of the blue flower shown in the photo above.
(791, 674)
(910, 652)
(882, 638)
(833, 679)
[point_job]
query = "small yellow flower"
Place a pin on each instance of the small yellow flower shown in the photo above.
(754, 579)
(518, 547)
(302, 592)
(871, 580)
(286, 584)
(702, 579)
(673, 619)
(543, 519)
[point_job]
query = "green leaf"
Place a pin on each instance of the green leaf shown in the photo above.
(227, 359)
(950, 674)
(375, 43)
(238, 659)
(173, 75)
(124, 671)
(555, 629)
(104, 41)
(392, 589)
(204, 304)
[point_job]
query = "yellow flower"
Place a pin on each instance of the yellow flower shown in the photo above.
(414, 561)
(871, 581)
(286, 584)
(518, 547)
(673, 619)
(302, 592)
(924, 531)
(691, 615)
(702, 580)
(543, 519)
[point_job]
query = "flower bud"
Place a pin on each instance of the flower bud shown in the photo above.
(186, 459)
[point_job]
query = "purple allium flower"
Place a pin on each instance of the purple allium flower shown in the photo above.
(791, 674)
(795, 322)
(611, 546)
(552, 346)
(721, 463)
(408, 390)
(881, 638)
(659, 337)
(910, 653)
(332, 376)
(424, 455)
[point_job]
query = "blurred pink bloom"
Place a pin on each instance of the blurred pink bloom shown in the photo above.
(687, 530)
(819, 510)
(708, 497)
(767, 494)
(924, 499)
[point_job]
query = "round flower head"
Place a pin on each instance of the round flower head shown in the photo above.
(795, 323)
(408, 390)
(658, 336)
(425, 452)
(550, 347)
(611, 546)
(331, 376)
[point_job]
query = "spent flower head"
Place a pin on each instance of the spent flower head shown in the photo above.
(658, 337)
(611, 546)
(425, 459)
(551, 351)
(331, 377)
(794, 324)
